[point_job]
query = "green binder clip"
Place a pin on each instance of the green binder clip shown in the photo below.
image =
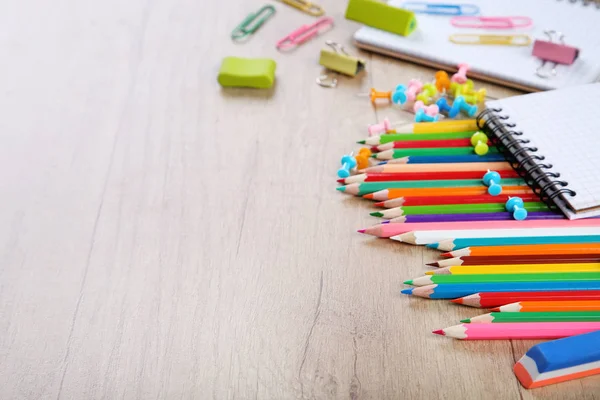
(338, 60)
(247, 72)
(382, 16)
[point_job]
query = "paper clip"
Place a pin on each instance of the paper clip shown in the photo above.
(491, 40)
(491, 22)
(305, 33)
(310, 8)
(556, 52)
(252, 22)
(441, 9)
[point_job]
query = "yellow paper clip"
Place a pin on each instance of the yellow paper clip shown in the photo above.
(303, 5)
(491, 40)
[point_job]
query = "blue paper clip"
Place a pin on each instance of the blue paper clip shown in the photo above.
(440, 8)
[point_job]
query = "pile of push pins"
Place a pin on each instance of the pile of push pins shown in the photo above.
(515, 205)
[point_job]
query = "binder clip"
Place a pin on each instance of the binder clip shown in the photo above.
(338, 60)
(553, 51)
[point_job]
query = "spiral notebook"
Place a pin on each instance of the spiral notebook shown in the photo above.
(553, 140)
(508, 65)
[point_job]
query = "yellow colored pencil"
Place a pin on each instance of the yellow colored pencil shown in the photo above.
(516, 269)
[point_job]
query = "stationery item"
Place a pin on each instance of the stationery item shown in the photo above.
(436, 144)
(375, 95)
(432, 110)
(383, 127)
(529, 131)
(516, 269)
(428, 151)
(362, 158)
(454, 167)
(336, 59)
(521, 259)
(500, 278)
(461, 75)
(441, 209)
(428, 93)
(464, 243)
(506, 65)
(252, 22)
(523, 330)
(443, 127)
(454, 159)
(450, 110)
(421, 116)
(464, 107)
(306, 6)
(453, 291)
(483, 216)
(549, 306)
(382, 16)
(388, 194)
(422, 7)
(416, 176)
(495, 299)
(567, 316)
(479, 141)
(414, 87)
(442, 81)
(492, 179)
(491, 22)
(348, 163)
(247, 72)
(554, 52)
(305, 33)
(522, 249)
(516, 206)
(561, 360)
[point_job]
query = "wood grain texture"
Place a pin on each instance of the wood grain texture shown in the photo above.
(161, 237)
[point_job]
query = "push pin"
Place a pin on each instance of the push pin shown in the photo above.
(461, 75)
(479, 141)
(420, 116)
(465, 108)
(458, 89)
(473, 97)
(375, 95)
(451, 111)
(442, 81)
(383, 127)
(492, 179)
(362, 158)
(399, 95)
(414, 87)
(432, 110)
(516, 206)
(348, 162)
(555, 52)
(428, 93)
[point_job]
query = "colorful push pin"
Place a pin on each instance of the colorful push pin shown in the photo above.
(428, 93)
(475, 97)
(378, 129)
(451, 111)
(348, 162)
(431, 110)
(462, 88)
(465, 107)
(375, 95)
(414, 87)
(421, 116)
(516, 206)
(442, 81)
(492, 179)
(399, 95)
(461, 75)
(479, 142)
(362, 158)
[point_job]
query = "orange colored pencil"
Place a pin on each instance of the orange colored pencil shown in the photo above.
(388, 194)
(523, 250)
(550, 306)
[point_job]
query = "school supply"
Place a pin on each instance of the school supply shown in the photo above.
(516, 206)
(403, 137)
(443, 209)
(501, 278)
(388, 194)
(337, 59)
(252, 23)
(567, 316)
(519, 259)
(305, 33)
(247, 72)
(480, 143)
(479, 22)
(422, 7)
(507, 65)
(516, 269)
(415, 176)
(495, 299)
(560, 360)
(305, 6)
(530, 131)
(490, 40)
(464, 243)
(487, 216)
(478, 166)
(553, 51)
(492, 179)
(410, 152)
(549, 306)
(393, 212)
(538, 249)
(382, 16)
(523, 330)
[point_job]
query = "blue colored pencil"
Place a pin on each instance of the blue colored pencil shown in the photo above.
(456, 244)
(469, 158)
(456, 290)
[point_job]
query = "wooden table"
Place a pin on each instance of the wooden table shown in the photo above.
(161, 237)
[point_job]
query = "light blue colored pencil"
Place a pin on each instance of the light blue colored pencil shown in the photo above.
(456, 244)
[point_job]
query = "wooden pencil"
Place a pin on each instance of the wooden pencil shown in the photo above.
(501, 278)
(464, 243)
(520, 330)
(481, 216)
(438, 152)
(495, 299)
(448, 159)
(388, 194)
(444, 143)
(516, 268)
(522, 259)
(544, 316)
(549, 306)
(436, 200)
(479, 166)
(539, 249)
(417, 176)
(403, 137)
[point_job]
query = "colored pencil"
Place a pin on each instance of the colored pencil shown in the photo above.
(430, 152)
(524, 259)
(499, 278)
(450, 159)
(403, 137)
(495, 299)
(417, 176)
(567, 316)
(388, 194)
(479, 166)
(456, 290)
(458, 125)
(549, 306)
(516, 269)
(518, 330)
(560, 360)
(541, 249)
(462, 142)
(456, 244)
(489, 216)
(360, 189)
(390, 230)
(465, 208)
(434, 200)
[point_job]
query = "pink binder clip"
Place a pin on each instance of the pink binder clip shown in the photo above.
(491, 22)
(304, 33)
(555, 52)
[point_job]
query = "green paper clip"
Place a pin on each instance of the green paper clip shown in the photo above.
(247, 72)
(252, 22)
(382, 16)
(339, 61)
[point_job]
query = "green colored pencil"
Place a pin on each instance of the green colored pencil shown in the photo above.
(560, 316)
(441, 151)
(360, 189)
(467, 208)
(407, 137)
(500, 278)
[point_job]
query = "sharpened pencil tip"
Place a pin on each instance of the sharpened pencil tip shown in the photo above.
(433, 264)
(341, 180)
(361, 230)
(407, 291)
(376, 214)
(432, 245)
(386, 221)
(466, 321)
(457, 301)
(368, 196)
(379, 204)
(439, 332)
(341, 188)
(408, 282)
(447, 255)
(361, 142)
(495, 309)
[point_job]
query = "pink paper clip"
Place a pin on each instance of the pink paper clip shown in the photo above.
(491, 22)
(555, 52)
(305, 33)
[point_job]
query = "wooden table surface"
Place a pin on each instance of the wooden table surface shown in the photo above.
(161, 237)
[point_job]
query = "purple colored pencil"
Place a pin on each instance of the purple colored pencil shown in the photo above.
(498, 216)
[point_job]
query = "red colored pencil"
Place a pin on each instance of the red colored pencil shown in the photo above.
(419, 176)
(522, 259)
(497, 299)
(475, 199)
(423, 144)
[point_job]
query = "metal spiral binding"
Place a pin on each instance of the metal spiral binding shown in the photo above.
(524, 159)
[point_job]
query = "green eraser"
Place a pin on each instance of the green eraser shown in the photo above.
(247, 72)
(382, 16)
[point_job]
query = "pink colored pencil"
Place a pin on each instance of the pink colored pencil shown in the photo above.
(389, 230)
(518, 330)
